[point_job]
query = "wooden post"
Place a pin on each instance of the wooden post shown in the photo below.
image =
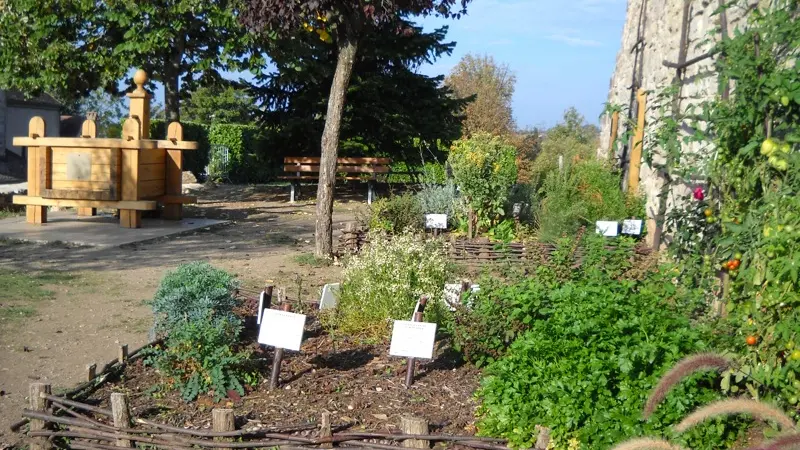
(91, 372)
(638, 138)
(88, 130)
(38, 404)
(411, 361)
(122, 415)
(36, 156)
(414, 425)
(139, 118)
(325, 428)
(614, 130)
(222, 420)
(123, 353)
(174, 173)
(276, 360)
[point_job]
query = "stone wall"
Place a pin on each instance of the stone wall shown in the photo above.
(652, 35)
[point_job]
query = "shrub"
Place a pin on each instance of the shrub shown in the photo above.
(396, 214)
(385, 281)
(192, 292)
(435, 199)
(198, 357)
(573, 149)
(484, 168)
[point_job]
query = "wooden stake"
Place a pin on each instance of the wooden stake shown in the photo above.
(414, 425)
(613, 139)
(91, 372)
(638, 138)
(123, 353)
(325, 428)
(122, 415)
(174, 173)
(412, 361)
(222, 420)
(274, 379)
(37, 403)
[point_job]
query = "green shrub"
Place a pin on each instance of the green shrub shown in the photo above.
(572, 149)
(192, 292)
(396, 214)
(440, 199)
(484, 168)
(385, 281)
(198, 357)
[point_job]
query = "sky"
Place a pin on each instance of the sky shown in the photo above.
(562, 52)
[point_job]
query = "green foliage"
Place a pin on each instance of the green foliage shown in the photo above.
(546, 162)
(439, 199)
(198, 357)
(308, 259)
(484, 168)
(584, 193)
(220, 105)
(384, 282)
(110, 109)
(396, 214)
(193, 292)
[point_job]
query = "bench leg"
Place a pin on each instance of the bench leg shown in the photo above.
(36, 214)
(370, 191)
(292, 193)
(130, 218)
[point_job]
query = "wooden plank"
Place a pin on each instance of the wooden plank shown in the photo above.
(144, 205)
(130, 218)
(129, 175)
(170, 199)
(314, 178)
(315, 160)
(97, 173)
(173, 177)
(152, 188)
(99, 156)
(180, 145)
(150, 172)
(154, 156)
(345, 169)
(75, 194)
(81, 185)
(143, 144)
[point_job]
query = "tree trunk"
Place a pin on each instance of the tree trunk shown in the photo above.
(330, 148)
(172, 89)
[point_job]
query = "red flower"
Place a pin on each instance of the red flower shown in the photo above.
(699, 195)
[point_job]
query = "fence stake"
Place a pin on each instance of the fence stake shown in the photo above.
(613, 139)
(123, 353)
(325, 428)
(39, 404)
(414, 425)
(638, 138)
(412, 361)
(122, 416)
(91, 372)
(222, 420)
(276, 360)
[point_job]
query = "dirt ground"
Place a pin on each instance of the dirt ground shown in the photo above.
(89, 301)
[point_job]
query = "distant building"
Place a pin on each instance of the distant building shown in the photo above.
(15, 113)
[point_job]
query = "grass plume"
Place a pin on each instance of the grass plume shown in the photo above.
(646, 444)
(780, 443)
(681, 370)
(754, 408)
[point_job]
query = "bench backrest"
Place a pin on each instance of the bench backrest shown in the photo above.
(347, 165)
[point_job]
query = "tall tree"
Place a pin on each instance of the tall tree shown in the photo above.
(218, 104)
(490, 85)
(72, 47)
(344, 23)
(379, 119)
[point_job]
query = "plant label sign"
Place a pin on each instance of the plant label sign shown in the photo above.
(330, 296)
(282, 329)
(631, 226)
(606, 228)
(412, 339)
(436, 221)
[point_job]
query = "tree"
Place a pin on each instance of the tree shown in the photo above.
(379, 119)
(490, 86)
(574, 125)
(110, 110)
(73, 47)
(343, 23)
(218, 104)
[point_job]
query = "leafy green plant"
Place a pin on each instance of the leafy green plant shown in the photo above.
(485, 169)
(384, 282)
(193, 292)
(396, 214)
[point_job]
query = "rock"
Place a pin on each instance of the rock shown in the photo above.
(189, 178)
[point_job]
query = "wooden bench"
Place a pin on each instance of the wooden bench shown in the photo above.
(307, 168)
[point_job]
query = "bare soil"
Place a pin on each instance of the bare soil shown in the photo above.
(99, 302)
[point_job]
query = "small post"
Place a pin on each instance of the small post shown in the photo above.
(411, 361)
(561, 163)
(39, 404)
(613, 139)
(638, 138)
(122, 415)
(292, 194)
(222, 419)
(325, 429)
(91, 372)
(370, 191)
(414, 425)
(123, 353)
(276, 360)
(543, 438)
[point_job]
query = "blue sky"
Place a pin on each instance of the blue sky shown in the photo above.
(562, 52)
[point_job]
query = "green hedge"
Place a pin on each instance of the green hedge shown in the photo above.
(250, 156)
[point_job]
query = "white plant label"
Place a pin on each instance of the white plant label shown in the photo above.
(330, 296)
(281, 329)
(436, 221)
(413, 339)
(606, 228)
(452, 294)
(631, 226)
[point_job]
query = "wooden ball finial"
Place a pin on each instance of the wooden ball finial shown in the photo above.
(140, 78)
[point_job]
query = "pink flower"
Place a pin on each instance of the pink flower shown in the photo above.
(699, 195)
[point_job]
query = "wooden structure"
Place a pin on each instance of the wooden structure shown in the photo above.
(307, 168)
(131, 174)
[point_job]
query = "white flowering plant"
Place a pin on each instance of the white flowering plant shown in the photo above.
(384, 282)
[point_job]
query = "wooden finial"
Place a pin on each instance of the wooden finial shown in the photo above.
(140, 78)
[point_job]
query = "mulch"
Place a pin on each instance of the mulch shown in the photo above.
(359, 384)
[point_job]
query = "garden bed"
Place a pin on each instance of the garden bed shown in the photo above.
(359, 384)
